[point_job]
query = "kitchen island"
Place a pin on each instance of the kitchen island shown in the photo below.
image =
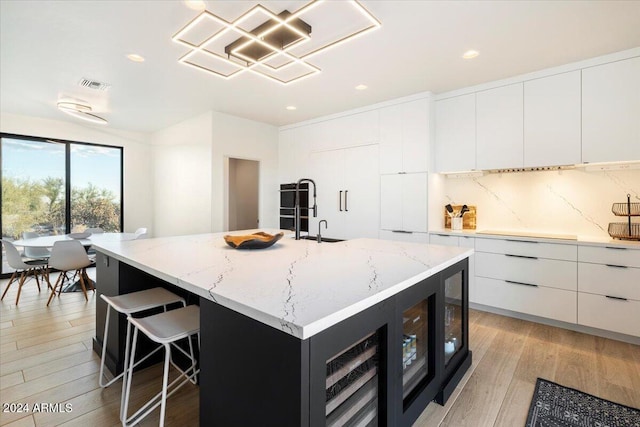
(275, 321)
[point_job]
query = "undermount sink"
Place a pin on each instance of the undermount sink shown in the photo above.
(324, 239)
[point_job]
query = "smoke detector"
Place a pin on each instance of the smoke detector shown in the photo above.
(94, 84)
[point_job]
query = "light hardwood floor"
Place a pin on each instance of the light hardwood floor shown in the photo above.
(46, 357)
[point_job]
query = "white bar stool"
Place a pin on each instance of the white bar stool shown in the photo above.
(130, 304)
(165, 329)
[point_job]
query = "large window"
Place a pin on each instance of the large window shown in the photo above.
(57, 187)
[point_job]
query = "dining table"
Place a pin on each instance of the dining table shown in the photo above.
(49, 241)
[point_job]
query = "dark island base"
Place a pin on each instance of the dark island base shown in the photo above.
(254, 374)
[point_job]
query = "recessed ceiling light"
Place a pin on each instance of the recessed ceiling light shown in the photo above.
(292, 107)
(195, 4)
(470, 54)
(135, 57)
(361, 87)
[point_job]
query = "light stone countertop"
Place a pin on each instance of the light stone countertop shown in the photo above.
(300, 287)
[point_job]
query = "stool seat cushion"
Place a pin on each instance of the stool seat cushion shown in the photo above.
(142, 300)
(170, 326)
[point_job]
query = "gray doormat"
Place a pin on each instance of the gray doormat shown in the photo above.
(554, 405)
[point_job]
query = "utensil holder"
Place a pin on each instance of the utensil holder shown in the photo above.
(456, 223)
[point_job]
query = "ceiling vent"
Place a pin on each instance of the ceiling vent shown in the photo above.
(93, 84)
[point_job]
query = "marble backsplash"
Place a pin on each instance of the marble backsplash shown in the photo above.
(565, 202)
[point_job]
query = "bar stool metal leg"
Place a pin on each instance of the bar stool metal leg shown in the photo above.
(154, 327)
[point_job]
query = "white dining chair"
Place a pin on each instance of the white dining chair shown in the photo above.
(21, 267)
(141, 233)
(34, 253)
(66, 256)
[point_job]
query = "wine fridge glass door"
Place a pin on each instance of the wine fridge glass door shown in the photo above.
(415, 349)
(453, 311)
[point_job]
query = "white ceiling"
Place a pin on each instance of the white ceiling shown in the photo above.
(48, 46)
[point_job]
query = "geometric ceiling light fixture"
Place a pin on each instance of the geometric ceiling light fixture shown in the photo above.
(274, 46)
(80, 111)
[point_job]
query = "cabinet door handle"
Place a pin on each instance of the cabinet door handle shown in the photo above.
(616, 266)
(618, 249)
(402, 231)
(616, 298)
(345, 200)
(521, 283)
(522, 241)
(340, 200)
(521, 256)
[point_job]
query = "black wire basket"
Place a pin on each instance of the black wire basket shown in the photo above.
(625, 230)
(626, 209)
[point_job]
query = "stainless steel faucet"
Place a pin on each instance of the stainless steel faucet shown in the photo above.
(319, 237)
(297, 206)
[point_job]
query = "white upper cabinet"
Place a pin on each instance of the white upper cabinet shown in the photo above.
(404, 137)
(291, 160)
(552, 120)
(499, 124)
(455, 145)
(611, 112)
(403, 202)
(347, 131)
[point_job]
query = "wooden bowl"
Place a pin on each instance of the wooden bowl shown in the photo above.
(259, 240)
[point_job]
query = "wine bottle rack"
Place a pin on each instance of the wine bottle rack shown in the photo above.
(352, 384)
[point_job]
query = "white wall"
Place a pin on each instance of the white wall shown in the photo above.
(182, 177)
(138, 189)
(234, 137)
(564, 202)
(190, 161)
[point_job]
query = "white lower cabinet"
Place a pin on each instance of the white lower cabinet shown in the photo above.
(443, 239)
(609, 255)
(527, 276)
(611, 314)
(612, 280)
(609, 288)
(557, 304)
(404, 236)
(534, 271)
(585, 284)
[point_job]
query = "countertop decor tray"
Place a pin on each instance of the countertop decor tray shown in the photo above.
(259, 240)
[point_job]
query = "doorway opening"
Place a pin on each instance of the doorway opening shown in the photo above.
(244, 181)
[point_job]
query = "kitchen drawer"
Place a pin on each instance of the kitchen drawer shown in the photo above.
(528, 248)
(467, 242)
(404, 237)
(536, 271)
(443, 239)
(609, 280)
(609, 255)
(551, 303)
(610, 314)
